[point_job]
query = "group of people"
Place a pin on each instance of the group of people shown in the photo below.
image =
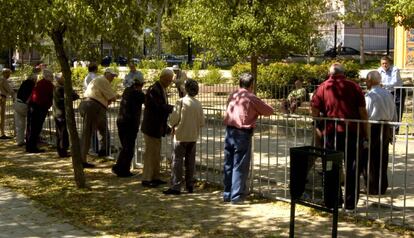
(336, 97)
(365, 146)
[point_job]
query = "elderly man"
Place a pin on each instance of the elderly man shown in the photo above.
(62, 136)
(294, 99)
(154, 126)
(133, 73)
(243, 108)
(381, 107)
(92, 73)
(40, 101)
(129, 118)
(390, 78)
(179, 79)
(5, 91)
(20, 106)
(338, 97)
(98, 95)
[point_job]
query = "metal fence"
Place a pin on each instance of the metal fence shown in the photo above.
(273, 138)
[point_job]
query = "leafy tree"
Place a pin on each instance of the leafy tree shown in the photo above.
(74, 23)
(399, 12)
(360, 13)
(248, 28)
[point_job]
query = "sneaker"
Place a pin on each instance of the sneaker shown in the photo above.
(87, 165)
(4, 137)
(171, 192)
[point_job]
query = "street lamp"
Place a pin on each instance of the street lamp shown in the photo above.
(146, 32)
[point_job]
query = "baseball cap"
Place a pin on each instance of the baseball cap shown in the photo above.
(110, 71)
(175, 67)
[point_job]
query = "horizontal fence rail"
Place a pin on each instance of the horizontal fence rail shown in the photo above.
(273, 137)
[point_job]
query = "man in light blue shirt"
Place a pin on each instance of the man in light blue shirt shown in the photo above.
(380, 107)
(391, 80)
(133, 73)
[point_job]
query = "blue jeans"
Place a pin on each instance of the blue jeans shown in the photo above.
(237, 153)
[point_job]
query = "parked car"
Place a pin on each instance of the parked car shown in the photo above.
(122, 61)
(106, 61)
(342, 51)
(172, 59)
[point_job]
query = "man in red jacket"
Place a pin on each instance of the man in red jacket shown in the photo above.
(39, 103)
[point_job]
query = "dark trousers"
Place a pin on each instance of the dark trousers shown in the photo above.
(186, 151)
(237, 155)
(349, 147)
(127, 133)
(374, 168)
(399, 99)
(62, 137)
(36, 115)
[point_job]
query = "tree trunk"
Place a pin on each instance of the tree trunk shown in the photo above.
(160, 13)
(253, 66)
(361, 45)
(57, 37)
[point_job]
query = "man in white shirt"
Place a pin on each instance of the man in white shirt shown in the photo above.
(92, 73)
(380, 107)
(390, 79)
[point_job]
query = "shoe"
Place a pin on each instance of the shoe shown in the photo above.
(190, 189)
(148, 184)
(226, 199)
(4, 137)
(21, 144)
(171, 192)
(64, 155)
(103, 153)
(87, 165)
(237, 202)
(158, 182)
(35, 150)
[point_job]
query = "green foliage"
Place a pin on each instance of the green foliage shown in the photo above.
(23, 72)
(196, 69)
(78, 75)
(274, 78)
(152, 64)
(395, 12)
(213, 76)
(237, 29)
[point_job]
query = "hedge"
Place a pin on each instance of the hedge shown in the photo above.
(272, 79)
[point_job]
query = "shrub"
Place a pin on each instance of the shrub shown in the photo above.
(213, 76)
(272, 79)
(196, 69)
(78, 75)
(152, 64)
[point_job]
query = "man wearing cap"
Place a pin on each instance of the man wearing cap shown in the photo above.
(179, 79)
(133, 73)
(20, 105)
(62, 137)
(154, 126)
(98, 95)
(128, 121)
(5, 91)
(40, 101)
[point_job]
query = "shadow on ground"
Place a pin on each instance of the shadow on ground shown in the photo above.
(121, 206)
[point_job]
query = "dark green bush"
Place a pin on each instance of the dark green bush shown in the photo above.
(213, 76)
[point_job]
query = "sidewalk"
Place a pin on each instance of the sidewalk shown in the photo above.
(19, 217)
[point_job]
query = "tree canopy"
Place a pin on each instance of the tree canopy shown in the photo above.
(399, 12)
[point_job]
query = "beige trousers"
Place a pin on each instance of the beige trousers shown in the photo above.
(152, 158)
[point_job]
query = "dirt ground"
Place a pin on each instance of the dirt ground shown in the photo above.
(121, 207)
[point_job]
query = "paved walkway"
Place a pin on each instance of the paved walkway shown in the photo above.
(20, 217)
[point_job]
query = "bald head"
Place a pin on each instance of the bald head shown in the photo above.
(373, 78)
(336, 69)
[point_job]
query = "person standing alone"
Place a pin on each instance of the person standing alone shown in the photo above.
(243, 109)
